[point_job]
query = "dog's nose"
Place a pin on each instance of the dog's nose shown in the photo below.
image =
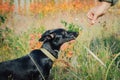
(76, 34)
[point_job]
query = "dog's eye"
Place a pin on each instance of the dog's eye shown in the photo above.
(64, 33)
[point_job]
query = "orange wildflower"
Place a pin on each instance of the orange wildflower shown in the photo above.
(51, 6)
(64, 46)
(34, 44)
(69, 54)
(38, 44)
(6, 8)
(66, 49)
(39, 35)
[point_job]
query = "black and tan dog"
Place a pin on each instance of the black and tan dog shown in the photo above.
(30, 67)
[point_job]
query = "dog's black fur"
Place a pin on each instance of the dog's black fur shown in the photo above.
(24, 69)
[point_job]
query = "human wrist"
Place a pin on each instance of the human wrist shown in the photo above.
(105, 5)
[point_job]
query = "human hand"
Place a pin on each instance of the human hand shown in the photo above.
(98, 11)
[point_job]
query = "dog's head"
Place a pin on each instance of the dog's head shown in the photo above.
(58, 36)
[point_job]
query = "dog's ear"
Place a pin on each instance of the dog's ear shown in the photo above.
(47, 36)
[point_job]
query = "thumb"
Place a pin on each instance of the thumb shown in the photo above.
(94, 19)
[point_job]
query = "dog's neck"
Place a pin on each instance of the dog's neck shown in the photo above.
(52, 49)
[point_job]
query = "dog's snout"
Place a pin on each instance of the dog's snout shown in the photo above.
(75, 34)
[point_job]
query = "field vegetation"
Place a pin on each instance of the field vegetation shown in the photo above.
(21, 30)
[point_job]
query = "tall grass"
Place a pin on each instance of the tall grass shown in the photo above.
(14, 45)
(103, 40)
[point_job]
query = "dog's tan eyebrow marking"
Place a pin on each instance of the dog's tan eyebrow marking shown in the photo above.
(52, 35)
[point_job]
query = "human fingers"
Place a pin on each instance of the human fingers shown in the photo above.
(90, 15)
(94, 19)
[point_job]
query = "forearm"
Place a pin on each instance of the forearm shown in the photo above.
(105, 6)
(109, 1)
